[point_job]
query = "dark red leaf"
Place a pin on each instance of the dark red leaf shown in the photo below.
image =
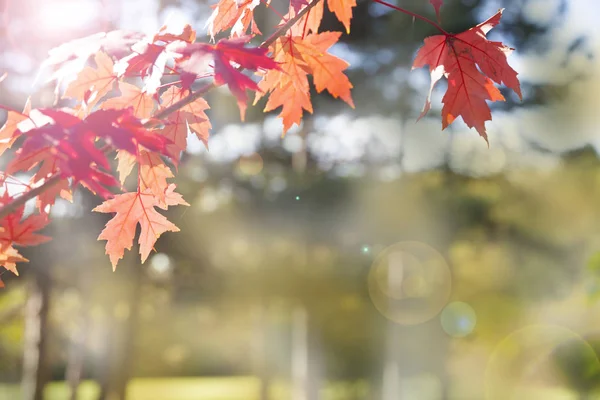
(73, 142)
(226, 53)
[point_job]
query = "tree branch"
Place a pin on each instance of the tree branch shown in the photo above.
(25, 197)
(53, 180)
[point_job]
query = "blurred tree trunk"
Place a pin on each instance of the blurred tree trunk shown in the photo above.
(35, 354)
(391, 371)
(262, 349)
(306, 360)
(77, 352)
(118, 365)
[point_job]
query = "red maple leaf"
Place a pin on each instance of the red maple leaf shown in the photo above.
(149, 56)
(437, 4)
(297, 5)
(19, 231)
(226, 53)
(73, 142)
(471, 64)
(48, 162)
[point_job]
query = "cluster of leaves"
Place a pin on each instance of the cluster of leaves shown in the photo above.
(133, 96)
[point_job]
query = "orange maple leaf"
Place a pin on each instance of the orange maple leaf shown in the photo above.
(9, 257)
(298, 57)
(153, 175)
(342, 10)
(92, 84)
(152, 171)
(237, 15)
(132, 209)
(131, 96)
(190, 118)
(7, 131)
(471, 64)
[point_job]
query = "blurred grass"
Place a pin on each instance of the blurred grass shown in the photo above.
(213, 388)
(242, 388)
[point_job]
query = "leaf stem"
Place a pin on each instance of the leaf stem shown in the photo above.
(53, 180)
(414, 15)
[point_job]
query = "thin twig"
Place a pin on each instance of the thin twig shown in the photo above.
(53, 180)
(25, 197)
(414, 15)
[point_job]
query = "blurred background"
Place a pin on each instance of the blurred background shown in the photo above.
(363, 256)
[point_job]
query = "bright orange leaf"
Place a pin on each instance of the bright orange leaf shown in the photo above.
(342, 10)
(239, 16)
(298, 57)
(132, 209)
(471, 64)
(9, 257)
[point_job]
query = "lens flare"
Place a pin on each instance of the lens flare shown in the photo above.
(409, 282)
(526, 364)
(458, 319)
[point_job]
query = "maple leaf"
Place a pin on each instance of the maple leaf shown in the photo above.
(22, 232)
(70, 57)
(471, 64)
(9, 257)
(142, 61)
(342, 10)
(150, 56)
(7, 132)
(238, 15)
(153, 175)
(93, 83)
(437, 4)
(73, 142)
(131, 96)
(185, 33)
(226, 52)
(297, 5)
(48, 161)
(309, 22)
(130, 210)
(190, 118)
(298, 57)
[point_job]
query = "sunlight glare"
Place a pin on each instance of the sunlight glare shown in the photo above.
(67, 15)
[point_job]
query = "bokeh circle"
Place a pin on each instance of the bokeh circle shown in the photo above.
(250, 165)
(458, 319)
(409, 282)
